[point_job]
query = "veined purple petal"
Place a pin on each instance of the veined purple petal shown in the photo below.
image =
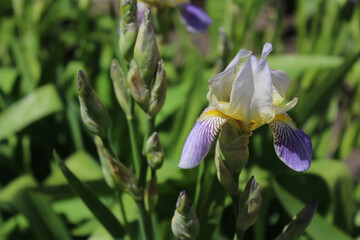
(201, 138)
(292, 145)
(195, 19)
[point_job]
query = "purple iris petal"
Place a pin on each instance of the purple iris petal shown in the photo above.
(292, 146)
(195, 19)
(199, 141)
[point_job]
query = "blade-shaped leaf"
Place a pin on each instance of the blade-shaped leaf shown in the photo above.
(100, 211)
(318, 229)
(44, 223)
(36, 105)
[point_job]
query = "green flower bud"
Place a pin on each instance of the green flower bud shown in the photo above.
(250, 204)
(299, 223)
(154, 151)
(105, 164)
(184, 223)
(139, 90)
(224, 173)
(121, 88)
(128, 27)
(151, 194)
(124, 179)
(234, 147)
(158, 92)
(146, 53)
(93, 111)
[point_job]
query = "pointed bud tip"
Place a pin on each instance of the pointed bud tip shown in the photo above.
(80, 79)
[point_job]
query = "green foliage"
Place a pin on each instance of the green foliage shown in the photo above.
(45, 43)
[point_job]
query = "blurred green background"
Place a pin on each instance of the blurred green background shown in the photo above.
(43, 44)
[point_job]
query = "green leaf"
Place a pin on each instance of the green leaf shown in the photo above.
(38, 104)
(297, 64)
(339, 180)
(8, 77)
(43, 221)
(100, 211)
(323, 91)
(318, 229)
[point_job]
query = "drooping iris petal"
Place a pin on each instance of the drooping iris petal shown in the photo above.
(292, 145)
(195, 19)
(201, 137)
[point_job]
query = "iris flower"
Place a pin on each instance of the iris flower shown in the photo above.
(248, 95)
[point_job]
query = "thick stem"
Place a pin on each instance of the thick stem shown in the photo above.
(150, 124)
(134, 145)
(145, 221)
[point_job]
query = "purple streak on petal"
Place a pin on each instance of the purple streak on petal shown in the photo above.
(195, 19)
(199, 141)
(293, 147)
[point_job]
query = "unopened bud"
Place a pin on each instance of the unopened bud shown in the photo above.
(234, 146)
(139, 91)
(121, 88)
(146, 53)
(250, 204)
(299, 223)
(123, 177)
(158, 92)
(151, 194)
(93, 111)
(154, 151)
(224, 173)
(128, 27)
(105, 164)
(184, 223)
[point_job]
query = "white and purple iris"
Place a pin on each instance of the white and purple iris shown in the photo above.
(249, 94)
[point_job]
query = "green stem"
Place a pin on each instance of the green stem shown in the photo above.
(198, 184)
(145, 221)
(150, 125)
(134, 146)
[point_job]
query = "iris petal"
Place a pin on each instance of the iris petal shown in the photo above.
(201, 137)
(195, 19)
(292, 145)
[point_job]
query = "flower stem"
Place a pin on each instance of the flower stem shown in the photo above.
(133, 142)
(149, 129)
(134, 145)
(145, 221)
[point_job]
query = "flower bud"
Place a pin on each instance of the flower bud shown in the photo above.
(128, 27)
(224, 173)
(234, 146)
(124, 179)
(139, 90)
(121, 88)
(154, 151)
(184, 223)
(151, 194)
(93, 111)
(158, 92)
(146, 53)
(250, 204)
(299, 223)
(105, 164)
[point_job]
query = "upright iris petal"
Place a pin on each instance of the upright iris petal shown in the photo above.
(195, 19)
